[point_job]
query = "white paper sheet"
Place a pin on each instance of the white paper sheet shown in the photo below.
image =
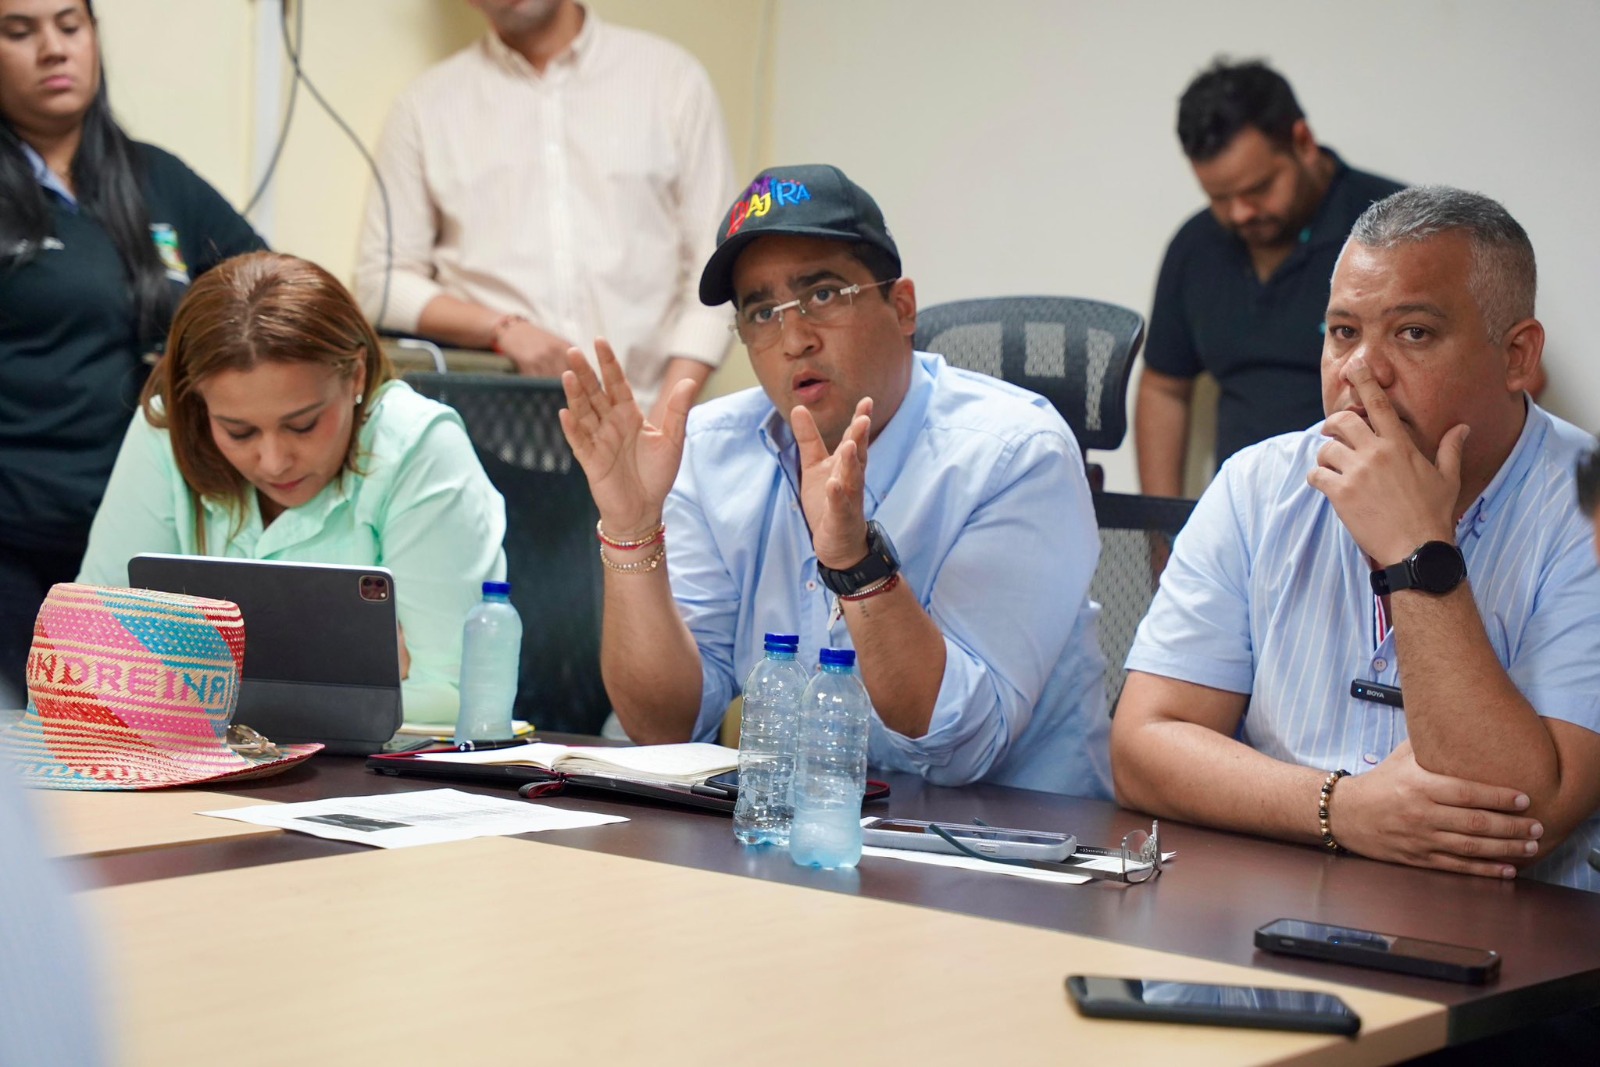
(943, 859)
(425, 817)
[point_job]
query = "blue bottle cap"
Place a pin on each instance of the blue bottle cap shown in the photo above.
(782, 642)
(496, 588)
(837, 657)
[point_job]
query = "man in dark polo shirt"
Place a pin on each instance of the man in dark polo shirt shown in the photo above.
(1244, 285)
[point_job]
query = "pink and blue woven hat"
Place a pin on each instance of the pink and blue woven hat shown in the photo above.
(135, 689)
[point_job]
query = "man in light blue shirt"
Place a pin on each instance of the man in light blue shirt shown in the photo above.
(1404, 592)
(956, 560)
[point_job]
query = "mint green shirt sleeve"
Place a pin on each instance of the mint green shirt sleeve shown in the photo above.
(440, 532)
(145, 501)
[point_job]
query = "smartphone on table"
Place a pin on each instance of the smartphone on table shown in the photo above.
(998, 841)
(1253, 1007)
(1385, 952)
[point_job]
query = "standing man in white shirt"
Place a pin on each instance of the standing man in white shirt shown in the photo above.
(558, 180)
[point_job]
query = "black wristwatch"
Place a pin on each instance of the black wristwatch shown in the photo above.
(1436, 567)
(881, 562)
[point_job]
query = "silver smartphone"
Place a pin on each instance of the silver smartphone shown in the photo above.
(1000, 842)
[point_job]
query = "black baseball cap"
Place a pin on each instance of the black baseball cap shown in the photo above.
(810, 200)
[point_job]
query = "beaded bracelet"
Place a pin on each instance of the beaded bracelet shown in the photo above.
(1324, 799)
(882, 585)
(638, 566)
(658, 534)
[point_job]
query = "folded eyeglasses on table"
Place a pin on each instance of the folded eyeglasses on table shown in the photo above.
(1139, 856)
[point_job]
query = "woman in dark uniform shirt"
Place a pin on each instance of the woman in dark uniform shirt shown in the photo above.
(99, 237)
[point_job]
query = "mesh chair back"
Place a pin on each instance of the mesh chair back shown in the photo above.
(551, 556)
(1075, 353)
(1123, 583)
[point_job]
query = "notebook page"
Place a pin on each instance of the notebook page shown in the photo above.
(683, 764)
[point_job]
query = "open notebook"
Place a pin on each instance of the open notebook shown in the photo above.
(685, 765)
(689, 775)
(672, 774)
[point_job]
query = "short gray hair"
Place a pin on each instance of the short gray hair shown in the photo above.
(1503, 276)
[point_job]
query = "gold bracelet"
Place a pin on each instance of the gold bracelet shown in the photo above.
(638, 566)
(622, 546)
(1324, 799)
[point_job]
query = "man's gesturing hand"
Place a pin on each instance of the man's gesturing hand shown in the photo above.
(1383, 489)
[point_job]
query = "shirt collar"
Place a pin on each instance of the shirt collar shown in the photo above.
(46, 177)
(1329, 225)
(576, 56)
(1530, 443)
(888, 452)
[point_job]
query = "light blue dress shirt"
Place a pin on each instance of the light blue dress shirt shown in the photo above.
(981, 487)
(1268, 594)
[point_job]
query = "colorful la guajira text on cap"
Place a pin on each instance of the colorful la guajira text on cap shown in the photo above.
(809, 200)
(135, 689)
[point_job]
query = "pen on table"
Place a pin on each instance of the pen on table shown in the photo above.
(483, 746)
(714, 791)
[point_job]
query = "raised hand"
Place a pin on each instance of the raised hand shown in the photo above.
(1401, 813)
(1385, 491)
(832, 486)
(630, 463)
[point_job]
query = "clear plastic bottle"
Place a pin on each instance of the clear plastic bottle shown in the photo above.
(767, 744)
(830, 774)
(491, 655)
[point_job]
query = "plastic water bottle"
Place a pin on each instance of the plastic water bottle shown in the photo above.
(830, 774)
(491, 654)
(767, 744)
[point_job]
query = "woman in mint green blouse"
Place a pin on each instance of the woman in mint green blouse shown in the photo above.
(274, 429)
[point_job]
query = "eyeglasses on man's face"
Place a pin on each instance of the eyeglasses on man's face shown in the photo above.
(760, 325)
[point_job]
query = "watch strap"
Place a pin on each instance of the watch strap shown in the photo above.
(879, 564)
(1436, 567)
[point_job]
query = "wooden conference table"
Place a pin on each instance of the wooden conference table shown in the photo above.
(596, 945)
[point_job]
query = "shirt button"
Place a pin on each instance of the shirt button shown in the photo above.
(1380, 664)
(1371, 757)
(811, 585)
(793, 506)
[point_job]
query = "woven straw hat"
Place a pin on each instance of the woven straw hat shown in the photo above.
(134, 689)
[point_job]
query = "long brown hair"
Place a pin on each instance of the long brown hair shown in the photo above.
(251, 309)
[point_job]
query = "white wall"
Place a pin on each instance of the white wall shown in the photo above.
(1028, 145)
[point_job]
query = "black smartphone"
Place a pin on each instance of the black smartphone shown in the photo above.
(1254, 1007)
(1386, 952)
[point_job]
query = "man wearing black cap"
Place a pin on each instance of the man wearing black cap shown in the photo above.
(956, 560)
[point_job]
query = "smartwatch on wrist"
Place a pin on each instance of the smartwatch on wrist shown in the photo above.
(1437, 567)
(881, 562)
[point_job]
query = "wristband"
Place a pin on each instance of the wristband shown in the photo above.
(882, 585)
(1323, 800)
(658, 534)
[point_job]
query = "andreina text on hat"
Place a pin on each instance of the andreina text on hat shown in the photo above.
(210, 689)
(765, 194)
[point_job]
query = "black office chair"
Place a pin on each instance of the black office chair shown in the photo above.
(551, 556)
(1123, 584)
(1076, 353)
